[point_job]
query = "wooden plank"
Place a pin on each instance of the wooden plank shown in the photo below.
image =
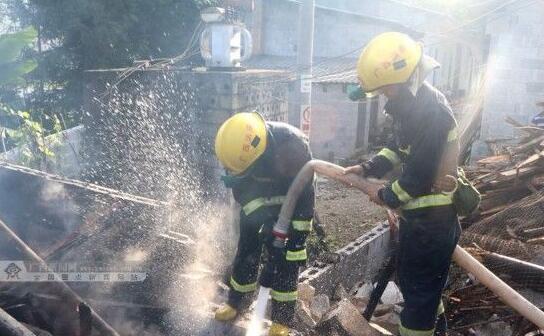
(513, 173)
(537, 181)
(535, 128)
(526, 146)
(11, 327)
(531, 159)
(514, 123)
(489, 203)
(494, 210)
(504, 158)
(506, 190)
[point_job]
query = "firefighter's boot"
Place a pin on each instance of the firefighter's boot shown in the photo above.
(225, 313)
(278, 330)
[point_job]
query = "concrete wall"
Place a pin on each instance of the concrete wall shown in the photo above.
(336, 32)
(407, 15)
(459, 52)
(515, 80)
(339, 126)
(334, 122)
(361, 260)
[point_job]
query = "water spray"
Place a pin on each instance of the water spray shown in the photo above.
(255, 327)
(266, 280)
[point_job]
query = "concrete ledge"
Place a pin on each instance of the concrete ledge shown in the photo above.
(360, 260)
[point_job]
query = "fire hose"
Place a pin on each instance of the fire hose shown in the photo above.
(509, 296)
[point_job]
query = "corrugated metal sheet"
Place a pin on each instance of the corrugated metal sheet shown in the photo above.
(325, 70)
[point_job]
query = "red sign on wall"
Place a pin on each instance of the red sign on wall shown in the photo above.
(305, 117)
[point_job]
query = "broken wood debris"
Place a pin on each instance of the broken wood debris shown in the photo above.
(511, 181)
(346, 320)
(513, 171)
(11, 327)
(506, 233)
(342, 314)
(69, 296)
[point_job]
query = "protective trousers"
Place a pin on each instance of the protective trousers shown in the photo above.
(246, 270)
(427, 238)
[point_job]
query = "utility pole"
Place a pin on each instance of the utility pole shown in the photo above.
(305, 51)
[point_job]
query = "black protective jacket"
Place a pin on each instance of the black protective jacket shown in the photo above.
(425, 143)
(262, 191)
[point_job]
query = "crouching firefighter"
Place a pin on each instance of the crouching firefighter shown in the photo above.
(425, 145)
(261, 160)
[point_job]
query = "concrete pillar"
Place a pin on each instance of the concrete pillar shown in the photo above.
(222, 94)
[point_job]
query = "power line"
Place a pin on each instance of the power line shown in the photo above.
(187, 53)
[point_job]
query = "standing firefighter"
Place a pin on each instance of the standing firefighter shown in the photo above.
(261, 159)
(425, 144)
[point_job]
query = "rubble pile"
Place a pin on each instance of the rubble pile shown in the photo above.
(342, 315)
(112, 233)
(506, 234)
(475, 310)
(513, 171)
(509, 219)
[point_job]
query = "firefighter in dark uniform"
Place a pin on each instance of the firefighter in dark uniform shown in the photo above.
(425, 145)
(261, 159)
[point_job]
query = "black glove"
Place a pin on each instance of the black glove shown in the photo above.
(276, 250)
(366, 168)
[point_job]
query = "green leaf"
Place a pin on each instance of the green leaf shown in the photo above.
(57, 127)
(11, 45)
(34, 126)
(46, 151)
(12, 73)
(16, 134)
(24, 114)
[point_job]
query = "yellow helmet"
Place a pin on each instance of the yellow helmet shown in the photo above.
(240, 141)
(389, 58)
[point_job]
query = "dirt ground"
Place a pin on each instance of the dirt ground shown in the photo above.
(345, 213)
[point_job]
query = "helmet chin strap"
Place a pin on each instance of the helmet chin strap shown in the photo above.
(424, 68)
